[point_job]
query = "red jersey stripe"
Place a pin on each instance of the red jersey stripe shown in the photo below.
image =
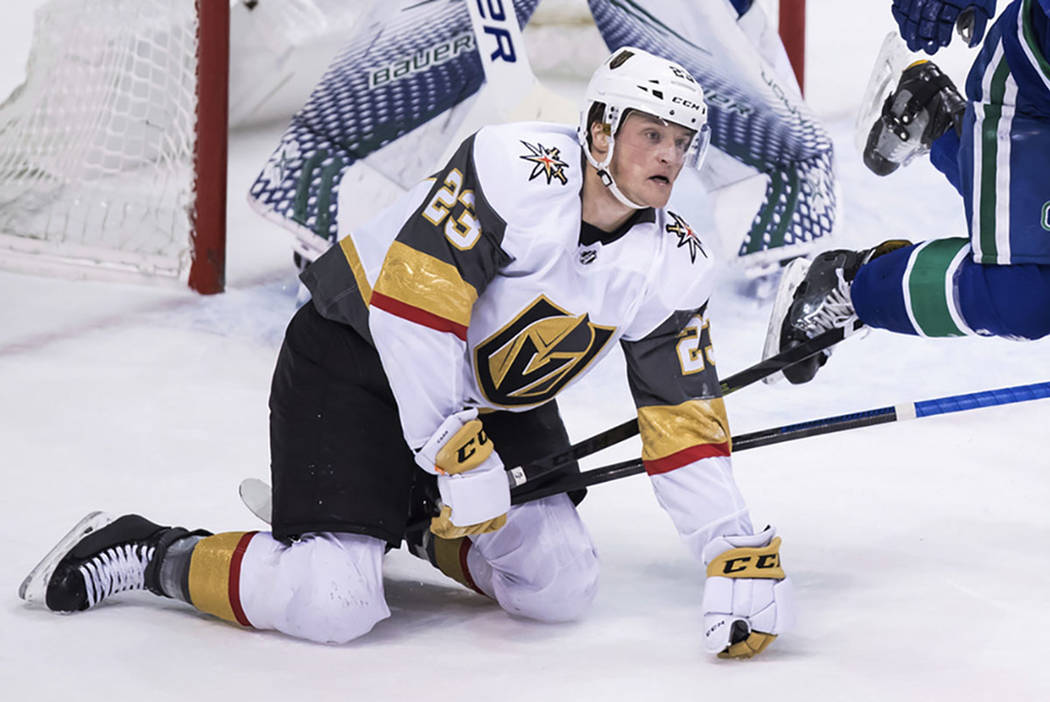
(685, 457)
(418, 316)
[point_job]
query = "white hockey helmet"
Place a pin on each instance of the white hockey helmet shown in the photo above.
(634, 79)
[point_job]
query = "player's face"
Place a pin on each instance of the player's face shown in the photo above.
(648, 157)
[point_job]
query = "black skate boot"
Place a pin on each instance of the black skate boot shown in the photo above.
(813, 297)
(98, 558)
(923, 107)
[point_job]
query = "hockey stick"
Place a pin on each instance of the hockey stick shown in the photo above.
(815, 427)
(752, 374)
(255, 493)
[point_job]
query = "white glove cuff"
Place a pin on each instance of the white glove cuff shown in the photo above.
(477, 495)
(720, 544)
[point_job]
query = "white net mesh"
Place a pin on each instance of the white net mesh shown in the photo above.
(96, 147)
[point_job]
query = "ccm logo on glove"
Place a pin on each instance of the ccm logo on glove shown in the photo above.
(466, 450)
(761, 562)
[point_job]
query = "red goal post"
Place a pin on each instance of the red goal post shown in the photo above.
(792, 26)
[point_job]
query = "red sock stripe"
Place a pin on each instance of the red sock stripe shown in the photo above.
(685, 457)
(235, 578)
(464, 548)
(417, 315)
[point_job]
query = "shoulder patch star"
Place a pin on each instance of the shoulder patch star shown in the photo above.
(546, 162)
(686, 236)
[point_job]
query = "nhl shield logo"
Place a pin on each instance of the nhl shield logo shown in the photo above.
(529, 360)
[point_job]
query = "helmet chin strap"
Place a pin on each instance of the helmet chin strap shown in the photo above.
(607, 179)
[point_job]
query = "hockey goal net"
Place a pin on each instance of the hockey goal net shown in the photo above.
(112, 151)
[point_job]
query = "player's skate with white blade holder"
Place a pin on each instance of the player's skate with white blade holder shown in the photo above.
(813, 297)
(100, 557)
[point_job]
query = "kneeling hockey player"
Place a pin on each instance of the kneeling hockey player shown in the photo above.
(428, 360)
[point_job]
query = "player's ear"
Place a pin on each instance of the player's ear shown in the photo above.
(599, 139)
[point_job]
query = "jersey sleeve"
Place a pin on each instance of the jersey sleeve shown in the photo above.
(441, 260)
(686, 443)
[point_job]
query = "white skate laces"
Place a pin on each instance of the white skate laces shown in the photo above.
(835, 310)
(115, 570)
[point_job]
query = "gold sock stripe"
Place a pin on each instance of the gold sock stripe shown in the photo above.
(451, 557)
(761, 562)
(215, 575)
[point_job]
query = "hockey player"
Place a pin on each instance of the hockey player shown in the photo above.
(428, 360)
(993, 147)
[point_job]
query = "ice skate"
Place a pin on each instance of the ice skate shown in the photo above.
(813, 297)
(99, 557)
(924, 105)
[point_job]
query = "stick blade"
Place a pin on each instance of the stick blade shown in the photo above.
(257, 497)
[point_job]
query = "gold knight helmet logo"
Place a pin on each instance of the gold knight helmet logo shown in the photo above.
(534, 356)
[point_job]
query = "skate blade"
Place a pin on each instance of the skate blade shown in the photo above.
(34, 586)
(892, 59)
(793, 274)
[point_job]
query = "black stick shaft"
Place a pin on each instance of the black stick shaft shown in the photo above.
(801, 430)
(764, 437)
(551, 464)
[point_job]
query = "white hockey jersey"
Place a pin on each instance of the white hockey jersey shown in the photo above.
(476, 292)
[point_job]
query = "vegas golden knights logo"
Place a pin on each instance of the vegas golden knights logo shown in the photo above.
(529, 360)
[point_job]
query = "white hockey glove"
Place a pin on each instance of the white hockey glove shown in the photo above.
(475, 492)
(747, 598)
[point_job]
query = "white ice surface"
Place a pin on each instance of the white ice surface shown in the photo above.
(919, 550)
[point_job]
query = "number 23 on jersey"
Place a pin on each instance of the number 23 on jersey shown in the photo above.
(462, 230)
(691, 349)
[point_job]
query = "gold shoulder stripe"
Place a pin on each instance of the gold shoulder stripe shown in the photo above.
(670, 429)
(427, 283)
(356, 267)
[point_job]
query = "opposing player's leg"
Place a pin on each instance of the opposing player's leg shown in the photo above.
(1005, 143)
(935, 289)
(995, 283)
